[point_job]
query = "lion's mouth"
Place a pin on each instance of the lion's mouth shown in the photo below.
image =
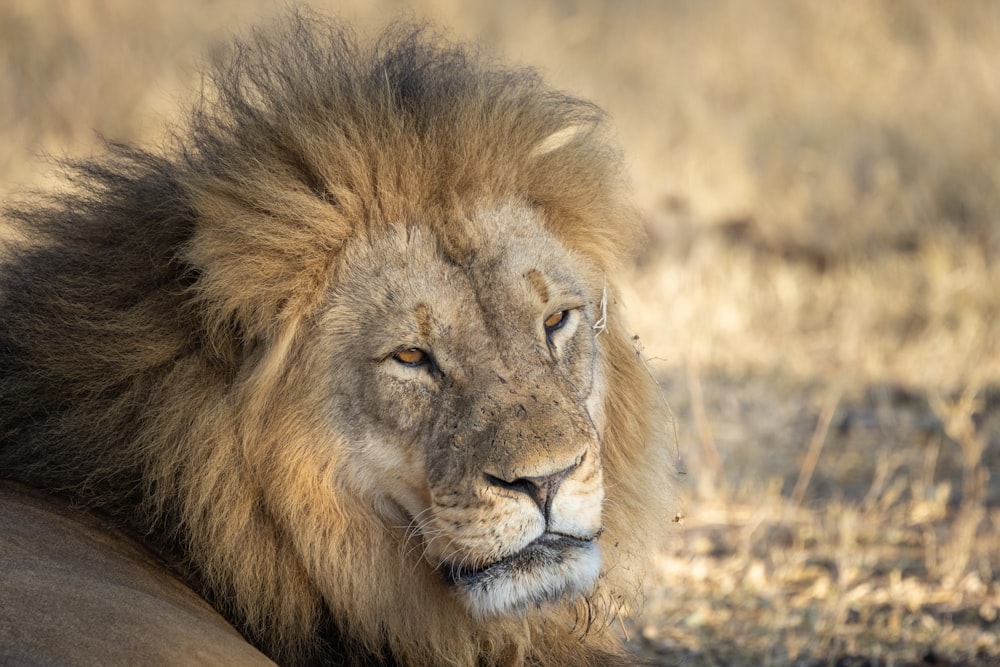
(548, 550)
(551, 567)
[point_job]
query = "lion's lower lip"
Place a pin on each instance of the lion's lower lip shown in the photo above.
(548, 549)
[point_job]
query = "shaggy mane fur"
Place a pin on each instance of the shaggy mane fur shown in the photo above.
(152, 312)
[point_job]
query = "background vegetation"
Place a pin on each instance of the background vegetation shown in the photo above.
(820, 295)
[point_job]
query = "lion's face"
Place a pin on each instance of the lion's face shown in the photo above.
(475, 375)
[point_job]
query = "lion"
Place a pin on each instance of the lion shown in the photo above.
(347, 352)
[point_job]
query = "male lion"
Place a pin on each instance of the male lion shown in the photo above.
(349, 356)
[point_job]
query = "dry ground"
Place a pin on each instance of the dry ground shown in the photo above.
(819, 294)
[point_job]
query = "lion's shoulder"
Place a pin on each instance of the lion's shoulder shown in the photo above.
(75, 591)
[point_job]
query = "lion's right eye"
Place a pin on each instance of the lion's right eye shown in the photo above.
(411, 357)
(555, 321)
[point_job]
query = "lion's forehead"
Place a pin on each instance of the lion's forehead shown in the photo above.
(507, 267)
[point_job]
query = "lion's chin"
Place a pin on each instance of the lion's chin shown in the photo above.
(550, 568)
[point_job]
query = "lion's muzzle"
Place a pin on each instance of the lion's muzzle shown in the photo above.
(516, 497)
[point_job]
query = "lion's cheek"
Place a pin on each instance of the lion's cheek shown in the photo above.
(576, 509)
(386, 475)
(596, 402)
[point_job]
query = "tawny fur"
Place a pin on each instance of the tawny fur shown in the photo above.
(151, 341)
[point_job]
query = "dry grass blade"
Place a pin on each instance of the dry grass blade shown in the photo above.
(710, 452)
(815, 448)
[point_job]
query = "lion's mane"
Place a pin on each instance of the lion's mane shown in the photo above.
(152, 311)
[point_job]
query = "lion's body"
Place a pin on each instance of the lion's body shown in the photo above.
(76, 592)
(351, 356)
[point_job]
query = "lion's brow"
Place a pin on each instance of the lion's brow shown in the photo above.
(423, 318)
(538, 281)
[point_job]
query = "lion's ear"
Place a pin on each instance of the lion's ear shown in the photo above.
(561, 138)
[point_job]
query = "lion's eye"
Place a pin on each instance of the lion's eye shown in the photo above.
(411, 357)
(556, 320)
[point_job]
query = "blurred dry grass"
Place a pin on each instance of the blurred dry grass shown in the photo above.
(819, 294)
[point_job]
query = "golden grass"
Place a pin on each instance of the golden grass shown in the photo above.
(819, 294)
(888, 557)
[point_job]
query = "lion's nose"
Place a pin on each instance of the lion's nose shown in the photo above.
(540, 489)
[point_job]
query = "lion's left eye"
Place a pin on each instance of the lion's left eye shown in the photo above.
(411, 357)
(556, 321)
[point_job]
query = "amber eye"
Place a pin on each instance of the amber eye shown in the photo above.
(555, 320)
(411, 357)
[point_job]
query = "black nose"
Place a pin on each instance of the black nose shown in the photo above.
(540, 489)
